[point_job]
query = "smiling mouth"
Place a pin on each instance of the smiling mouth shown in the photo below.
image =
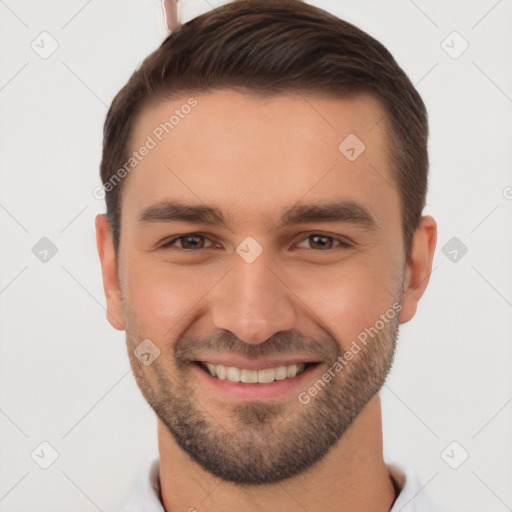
(264, 376)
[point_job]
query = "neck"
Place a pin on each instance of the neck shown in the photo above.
(352, 476)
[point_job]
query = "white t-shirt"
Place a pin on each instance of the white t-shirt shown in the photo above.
(411, 499)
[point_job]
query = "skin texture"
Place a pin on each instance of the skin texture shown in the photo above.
(303, 296)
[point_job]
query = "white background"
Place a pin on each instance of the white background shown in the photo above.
(65, 376)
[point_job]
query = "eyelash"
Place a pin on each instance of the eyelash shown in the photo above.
(168, 245)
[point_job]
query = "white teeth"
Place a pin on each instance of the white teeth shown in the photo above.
(249, 376)
(291, 370)
(280, 373)
(220, 371)
(233, 374)
(266, 375)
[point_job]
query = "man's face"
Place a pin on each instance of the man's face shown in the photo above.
(211, 296)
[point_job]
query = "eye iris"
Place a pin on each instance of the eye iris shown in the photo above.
(315, 239)
(186, 239)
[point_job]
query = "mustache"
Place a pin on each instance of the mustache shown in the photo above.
(191, 348)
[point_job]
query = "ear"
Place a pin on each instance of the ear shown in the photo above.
(419, 266)
(105, 245)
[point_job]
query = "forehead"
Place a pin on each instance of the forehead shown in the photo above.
(260, 153)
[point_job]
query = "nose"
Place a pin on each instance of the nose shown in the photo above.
(253, 301)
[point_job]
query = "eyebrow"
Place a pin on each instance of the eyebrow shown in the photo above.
(335, 212)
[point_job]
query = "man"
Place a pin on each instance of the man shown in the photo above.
(265, 173)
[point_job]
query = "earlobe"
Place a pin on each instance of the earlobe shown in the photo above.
(419, 267)
(113, 295)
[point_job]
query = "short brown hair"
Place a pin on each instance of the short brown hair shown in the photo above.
(268, 47)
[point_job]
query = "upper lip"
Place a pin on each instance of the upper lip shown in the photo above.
(254, 365)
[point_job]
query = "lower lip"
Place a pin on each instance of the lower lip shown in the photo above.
(251, 391)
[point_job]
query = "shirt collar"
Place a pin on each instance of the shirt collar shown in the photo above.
(147, 497)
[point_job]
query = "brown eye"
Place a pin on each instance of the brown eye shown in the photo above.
(321, 242)
(189, 242)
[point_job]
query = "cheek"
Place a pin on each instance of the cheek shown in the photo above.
(351, 297)
(159, 296)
